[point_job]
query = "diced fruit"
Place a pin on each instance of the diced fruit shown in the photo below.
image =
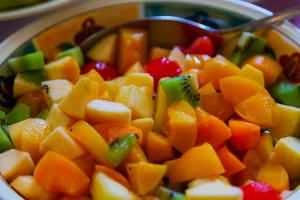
(158, 148)
(177, 56)
(15, 132)
(56, 173)
(286, 92)
(64, 68)
(146, 125)
(206, 165)
(218, 68)
(157, 52)
(5, 143)
(145, 177)
(140, 80)
(95, 76)
(135, 155)
(138, 99)
(29, 62)
(207, 89)
(287, 153)
(267, 65)
(113, 86)
(182, 125)
(86, 164)
(24, 84)
(259, 109)
(120, 148)
(104, 187)
(215, 190)
(259, 191)
(14, 163)
(273, 174)
(104, 50)
(202, 45)
(212, 130)
(43, 114)
(160, 109)
(84, 91)
(135, 68)
(253, 73)
(245, 135)
(34, 100)
(75, 53)
(229, 161)
(30, 189)
(106, 70)
(100, 111)
(57, 117)
(193, 61)
(182, 88)
(201, 181)
(288, 122)
(264, 146)
(162, 67)
(55, 90)
(133, 45)
(90, 140)
(113, 174)
(163, 193)
(235, 89)
(18, 113)
(59, 141)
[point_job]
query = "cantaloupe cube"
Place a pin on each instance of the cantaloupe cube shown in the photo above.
(215, 190)
(64, 68)
(86, 163)
(55, 90)
(30, 189)
(84, 91)
(138, 99)
(101, 111)
(57, 117)
(145, 177)
(60, 141)
(15, 163)
(140, 80)
(103, 187)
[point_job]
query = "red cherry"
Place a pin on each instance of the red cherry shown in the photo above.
(106, 70)
(202, 45)
(162, 67)
(259, 191)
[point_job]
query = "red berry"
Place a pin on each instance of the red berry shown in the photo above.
(106, 70)
(162, 67)
(202, 45)
(259, 191)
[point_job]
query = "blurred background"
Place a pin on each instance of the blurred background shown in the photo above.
(12, 20)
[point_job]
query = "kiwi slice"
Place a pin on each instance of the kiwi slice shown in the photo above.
(182, 88)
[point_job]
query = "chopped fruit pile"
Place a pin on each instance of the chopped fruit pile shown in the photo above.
(179, 124)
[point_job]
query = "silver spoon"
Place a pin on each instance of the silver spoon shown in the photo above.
(167, 31)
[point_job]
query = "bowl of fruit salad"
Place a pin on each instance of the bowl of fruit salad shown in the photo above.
(129, 120)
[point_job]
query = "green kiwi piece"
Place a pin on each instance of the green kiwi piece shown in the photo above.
(182, 88)
(29, 62)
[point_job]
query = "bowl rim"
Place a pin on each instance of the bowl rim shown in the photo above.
(10, 44)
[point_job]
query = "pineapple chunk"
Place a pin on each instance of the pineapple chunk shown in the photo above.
(57, 117)
(160, 110)
(60, 142)
(140, 80)
(30, 189)
(15, 163)
(177, 56)
(101, 111)
(136, 67)
(55, 90)
(81, 94)
(288, 122)
(215, 190)
(287, 153)
(64, 68)
(138, 99)
(146, 125)
(113, 87)
(104, 50)
(22, 86)
(103, 187)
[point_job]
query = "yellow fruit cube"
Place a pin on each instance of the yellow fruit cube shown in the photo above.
(64, 68)
(61, 142)
(95, 76)
(177, 56)
(140, 80)
(146, 125)
(15, 163)
(22, 86)
(30, 189)
(90, 140)
(201, 181)
(101, 111)
(138, 99)
(15, 132)
(145, 177)
(264, 146)
(55, 90)
(57, 117)
(136, 67)
(113, 87)
(253, 73)
(160, 110)
(84, 91)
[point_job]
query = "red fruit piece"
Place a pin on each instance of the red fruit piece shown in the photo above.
(162, 67)
(202, 45)
(259, 191)
(106, 70)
